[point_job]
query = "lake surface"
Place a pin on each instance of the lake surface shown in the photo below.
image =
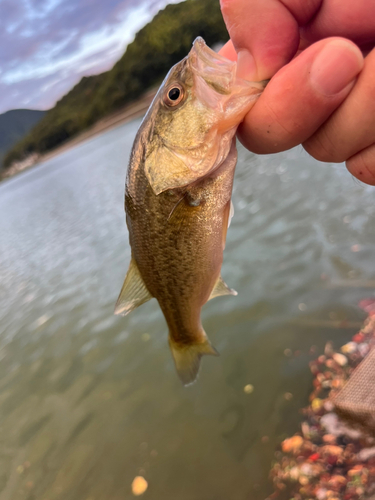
(89, 400)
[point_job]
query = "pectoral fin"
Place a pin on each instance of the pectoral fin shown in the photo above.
(133, 293)
(221, 288)
(227, 219)
(231, 213)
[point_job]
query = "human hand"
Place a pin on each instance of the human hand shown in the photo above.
(322, 91)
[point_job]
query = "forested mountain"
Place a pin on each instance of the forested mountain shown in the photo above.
(14, 125)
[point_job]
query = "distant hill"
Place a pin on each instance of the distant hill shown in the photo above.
(14, 125)
(156, 47)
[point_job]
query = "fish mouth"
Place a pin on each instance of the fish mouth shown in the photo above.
(218, 71)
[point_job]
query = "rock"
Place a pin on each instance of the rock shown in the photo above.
(328, 405)
(330, 363)
(358, 337)
(332, 450)
(303, 480)
(349, 348)
(321, 494)
(363, 349)
(337, 383)
(333, 425)
(337, 481)
(248, 389)
(340, 359)
(305, 429)
(356, 470)
(139, 485)
(328, 349)
(329, 439)
(316, 404)
(307, 469)
(366, 454)
(294, 473)
(292, 445)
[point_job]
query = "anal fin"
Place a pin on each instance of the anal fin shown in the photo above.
(133, 293)
(221, 288)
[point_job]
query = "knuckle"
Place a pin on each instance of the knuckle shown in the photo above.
(281, 134)
(227, 6)
(323, 147)
(362, 165)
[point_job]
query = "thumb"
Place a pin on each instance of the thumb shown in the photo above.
(301, 96)
(265, 33)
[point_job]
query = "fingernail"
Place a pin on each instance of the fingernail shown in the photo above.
(246, 67)
(335, 67)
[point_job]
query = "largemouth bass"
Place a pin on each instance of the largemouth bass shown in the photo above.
(178, 197)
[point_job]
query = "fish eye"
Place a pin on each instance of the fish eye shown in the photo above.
(174, 95)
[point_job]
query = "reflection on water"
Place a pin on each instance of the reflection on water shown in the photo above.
(88, 400)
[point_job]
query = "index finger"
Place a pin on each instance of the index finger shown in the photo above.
(265, 33)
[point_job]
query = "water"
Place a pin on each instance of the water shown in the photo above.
(89, 400)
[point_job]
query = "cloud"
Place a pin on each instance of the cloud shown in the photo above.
(46, 46)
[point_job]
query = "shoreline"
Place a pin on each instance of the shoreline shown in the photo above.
(126, 114)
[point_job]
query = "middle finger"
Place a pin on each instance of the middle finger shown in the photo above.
(351, 127)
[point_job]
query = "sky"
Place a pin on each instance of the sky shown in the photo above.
(46, 46)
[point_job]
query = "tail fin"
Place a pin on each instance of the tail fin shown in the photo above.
(187, 358)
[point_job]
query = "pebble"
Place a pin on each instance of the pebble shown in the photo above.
(329, 439)
(139, 485)
(332, 450)
(340, 359)
(305, 429)
(328, 349)
(349, 348)
(358, 338)
(328, 405)
(248, 389)
(316, 404)
(321, 494)
(365, 454)
(292, 444)
(363, 349)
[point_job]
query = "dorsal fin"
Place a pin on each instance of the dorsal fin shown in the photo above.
(221, 288)
(133, 293)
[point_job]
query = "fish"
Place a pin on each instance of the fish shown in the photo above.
(178, 197)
